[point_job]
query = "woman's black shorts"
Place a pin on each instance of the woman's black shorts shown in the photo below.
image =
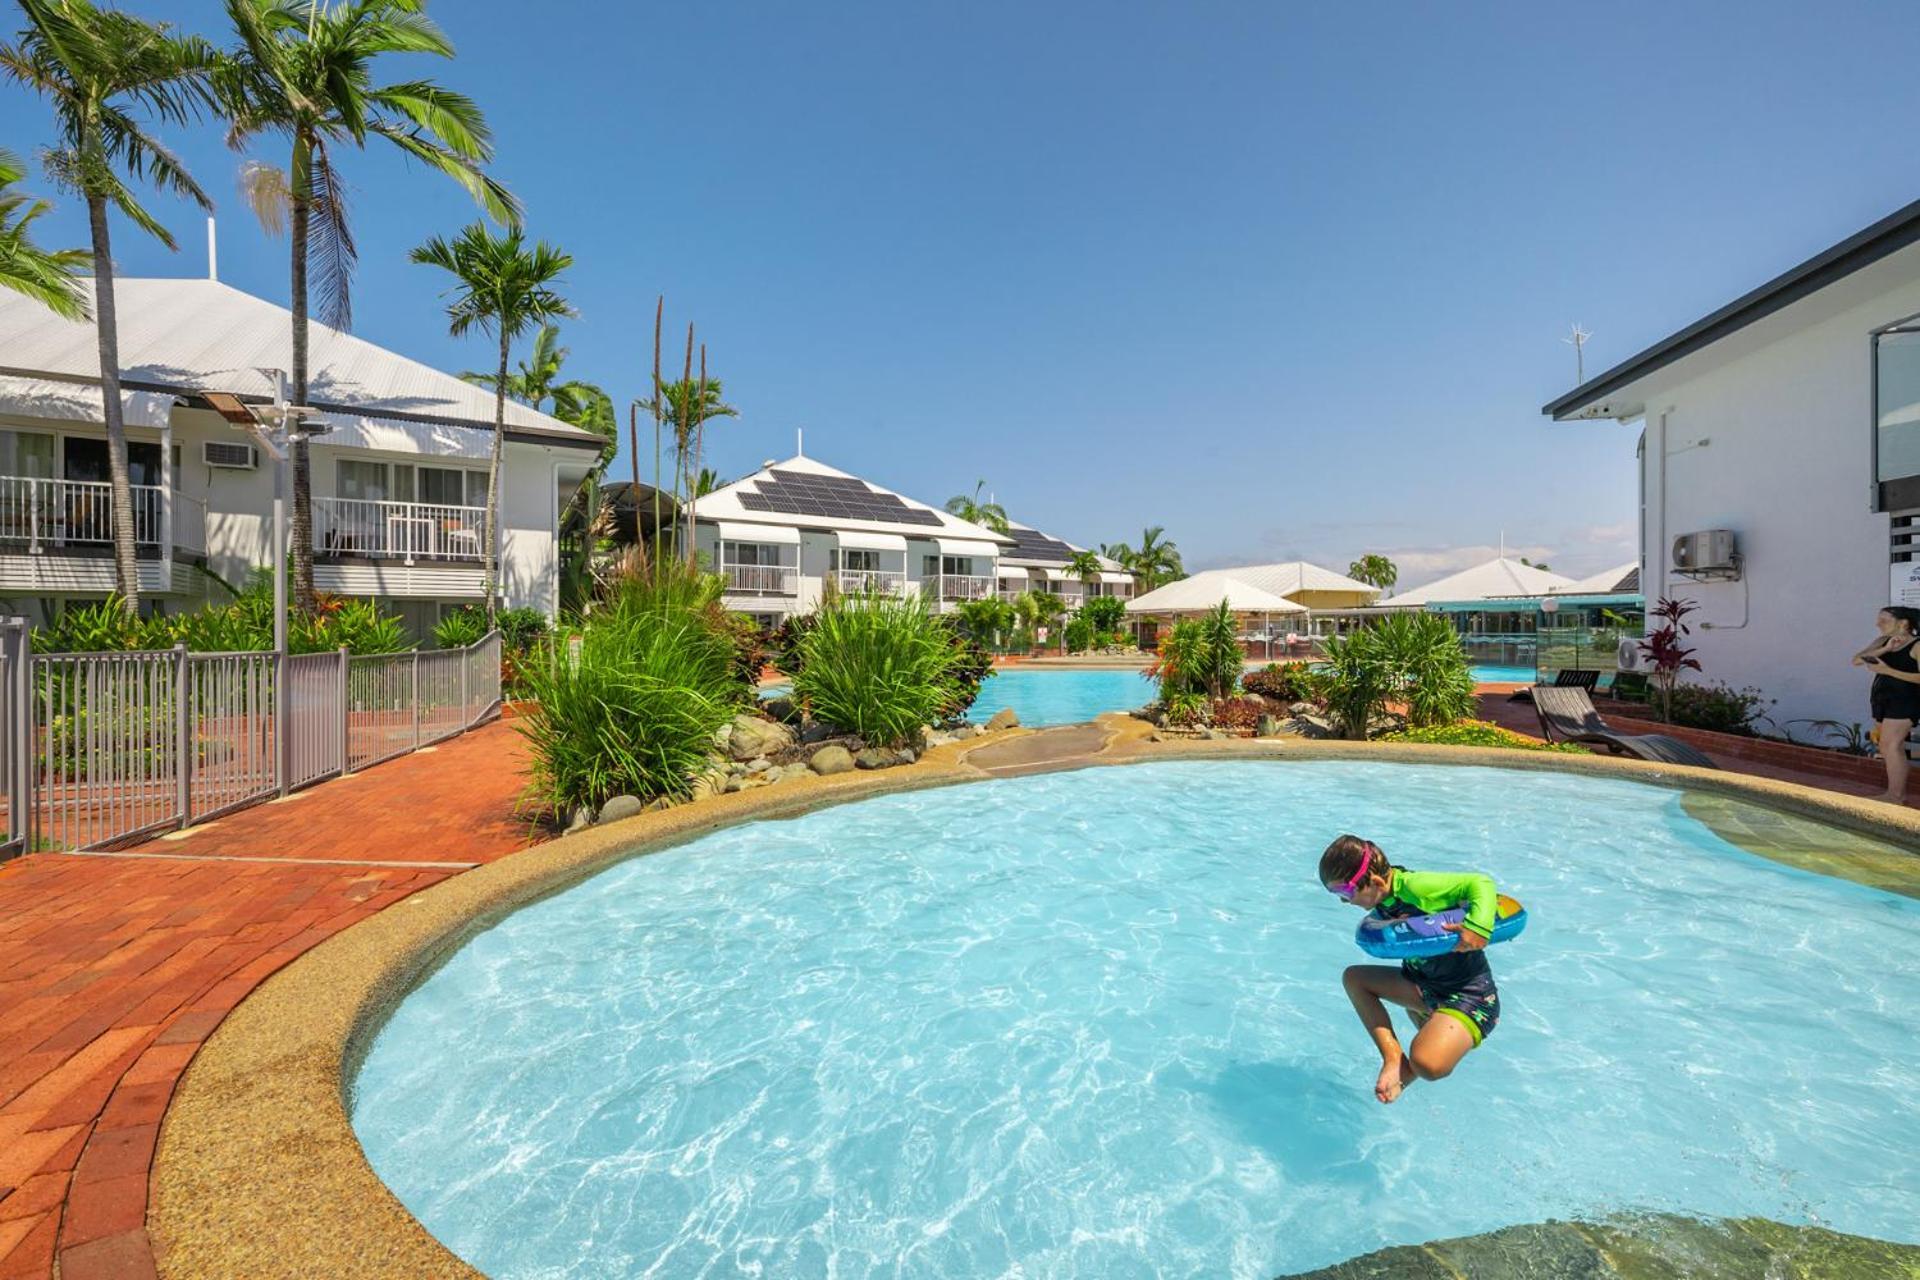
(1895, 699)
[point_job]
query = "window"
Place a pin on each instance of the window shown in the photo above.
(85, 458)
(1896, 414)
(365, 481)
(857, 561)
(953, 566)
(26, 453)
(405, 482)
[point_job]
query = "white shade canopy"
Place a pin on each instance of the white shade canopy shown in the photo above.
(1197, 595)
(966, 547)
(863, 540)
(1490, 581)
(1107, 575)
(1010, 571)
(782, 535)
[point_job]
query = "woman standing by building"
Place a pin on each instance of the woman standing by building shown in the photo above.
(1896, 691)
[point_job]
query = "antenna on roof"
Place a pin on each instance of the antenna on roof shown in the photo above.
(213, 251)
(799, 442)
(1578, 341)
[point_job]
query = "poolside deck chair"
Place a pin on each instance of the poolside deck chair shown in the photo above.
(1567, 715)
(1564, 678)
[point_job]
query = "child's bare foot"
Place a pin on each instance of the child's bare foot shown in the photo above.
(1394, 1077)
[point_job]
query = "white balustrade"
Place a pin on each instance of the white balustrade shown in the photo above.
(40, 513)
(407, 531)
(763, 579)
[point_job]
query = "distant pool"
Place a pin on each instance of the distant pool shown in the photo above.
(1060, 697)
(1503, 675)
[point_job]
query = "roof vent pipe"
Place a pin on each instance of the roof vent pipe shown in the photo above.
(213, 251)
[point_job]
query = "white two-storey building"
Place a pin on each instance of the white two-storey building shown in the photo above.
(398, 478)
(783, 533)
(1038, 562)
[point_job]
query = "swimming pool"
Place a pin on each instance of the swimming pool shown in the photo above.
(1060, 697)
(1489, 673)
(1091, 1024)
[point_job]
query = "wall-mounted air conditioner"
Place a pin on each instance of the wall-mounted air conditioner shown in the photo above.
(230, 455)
(1628, 657)
(1710, 553)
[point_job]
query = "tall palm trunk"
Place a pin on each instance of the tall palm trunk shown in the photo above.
(126, 566)
(302, 532)
(493, 476)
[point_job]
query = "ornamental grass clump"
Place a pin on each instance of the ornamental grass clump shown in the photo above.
(880, 666)
(1412, 659)
(630, 704)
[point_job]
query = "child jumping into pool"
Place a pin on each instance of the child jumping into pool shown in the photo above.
(1457, 985)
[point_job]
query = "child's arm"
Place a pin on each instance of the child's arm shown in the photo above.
(1444, 890)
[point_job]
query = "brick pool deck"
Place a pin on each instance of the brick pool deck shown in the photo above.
(114, 968)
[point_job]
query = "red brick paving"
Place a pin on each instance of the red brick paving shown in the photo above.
(113, 970)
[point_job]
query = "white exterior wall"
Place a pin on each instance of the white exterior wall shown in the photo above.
(1777, 446)
(239, 503)
(815, 563)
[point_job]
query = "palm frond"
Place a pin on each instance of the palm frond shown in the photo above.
(448, 116)
(48, 276)
(499, 203)
(330, 249)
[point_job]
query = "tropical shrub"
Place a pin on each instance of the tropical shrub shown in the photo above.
(520, 629)
(1664, 652)
(245, 624)
(1717, 707)
(632, 711)
(1480, 733)
(1414, 659)
(1201, 656)
(457, 630)
(1184, 707)
(1281, 681)
(1222, 660)
(987, 620)
(783, 644)
(878, 665)
(1078, 636)
(972, 667)
(1238, 713)
(1105, 614)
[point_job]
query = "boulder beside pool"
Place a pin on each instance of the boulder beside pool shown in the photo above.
(830, 759)
(1004, 718)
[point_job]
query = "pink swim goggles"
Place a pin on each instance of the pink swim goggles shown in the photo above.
(1346, 891)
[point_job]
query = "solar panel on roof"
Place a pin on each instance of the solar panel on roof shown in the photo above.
(843, 497)
(1031, 544)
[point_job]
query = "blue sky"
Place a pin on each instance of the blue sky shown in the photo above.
(1289, 280)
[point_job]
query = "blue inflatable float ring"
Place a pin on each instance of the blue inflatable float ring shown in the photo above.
(1415, 937)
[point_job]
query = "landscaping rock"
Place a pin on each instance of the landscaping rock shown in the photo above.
(1268, 727)
(753, 738)
(1304, 709)
(664, 802)
(877, 758)
(905, 755)
(759, 765)
(708, 784)
(1004, 718)
(815, 732)
(784, 710)
(1386, 722)
(582, 819)
(831, 759)
(621, 807)
(1309, 727)
(721, 735)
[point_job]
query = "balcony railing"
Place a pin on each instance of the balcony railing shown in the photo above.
(855, 581)
(39, 514)
(763, 579)
(408, 531)
(963, 586)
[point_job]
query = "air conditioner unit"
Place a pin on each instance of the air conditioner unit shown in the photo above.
(229, 455)
(1710, 553)
(1629, 657)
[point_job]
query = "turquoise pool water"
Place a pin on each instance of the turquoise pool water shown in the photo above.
(1495, 674)
(1060, 697)
(1091, 1025)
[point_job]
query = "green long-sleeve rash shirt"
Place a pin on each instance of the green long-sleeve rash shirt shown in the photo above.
(1430, 891)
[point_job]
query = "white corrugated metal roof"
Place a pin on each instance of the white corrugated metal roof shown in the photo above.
(1206, 591)
(725, 504)
(80, 402)
(203, 335)
(1490, 581)
(1290, 576)
(1611, 582)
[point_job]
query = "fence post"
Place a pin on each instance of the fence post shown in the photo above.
(416, 699)
(19, 728)
(183, 733)
(466, 669)
(282, 729)
(346, 707)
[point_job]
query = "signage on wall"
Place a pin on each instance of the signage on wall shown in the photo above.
(1906, 584)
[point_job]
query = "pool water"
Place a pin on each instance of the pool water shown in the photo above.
(1091, 1024)
(1060, 697)
(1495, 674)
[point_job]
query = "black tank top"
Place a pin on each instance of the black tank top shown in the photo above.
(1901, 659)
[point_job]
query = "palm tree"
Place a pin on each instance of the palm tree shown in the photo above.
(538, 381)
(48, 276)
(1156, 562)
(303, 72)
(1086, 566)
(688, 405)
(988, 515)
(1375, 570)
(503, 288)
(95, 66)
(707, 482)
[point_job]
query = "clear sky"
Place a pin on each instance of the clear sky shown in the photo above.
(1288, 279)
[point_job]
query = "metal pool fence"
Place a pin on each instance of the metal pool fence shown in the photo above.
(100, 749)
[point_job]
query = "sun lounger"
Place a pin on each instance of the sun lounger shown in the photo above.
(1564, 678)
(1567, 715)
